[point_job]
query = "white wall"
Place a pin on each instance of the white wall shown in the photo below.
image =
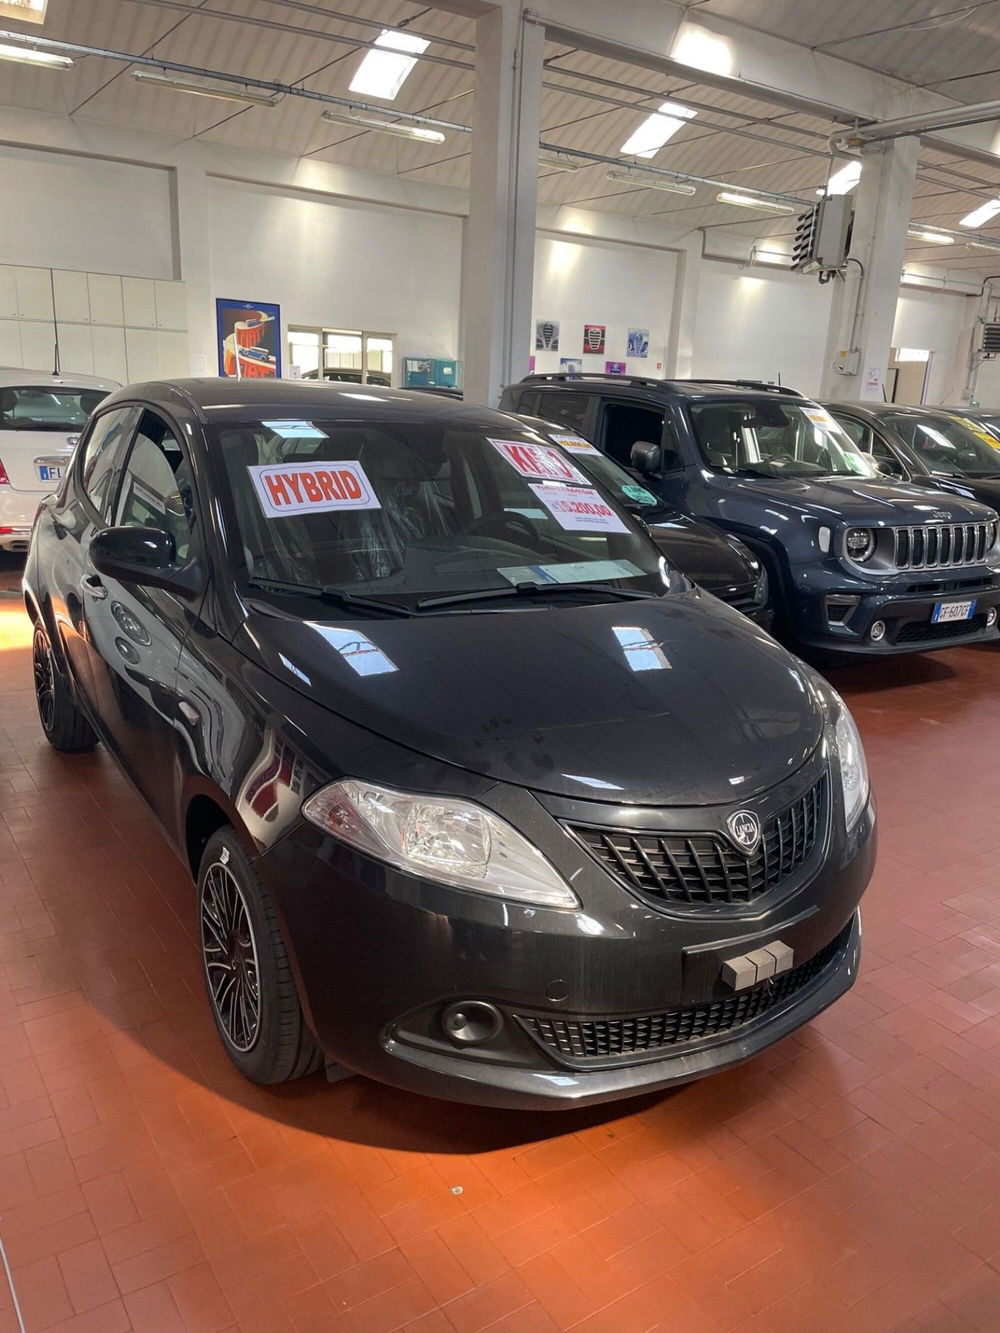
(61, 211)
(338, 264)
(937, 322)
(592, 282)
(757, 323)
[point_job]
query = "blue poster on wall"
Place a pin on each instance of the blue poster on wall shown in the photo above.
(249, 336)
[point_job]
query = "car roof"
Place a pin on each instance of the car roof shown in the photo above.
(231, 400)
(690, 388)
(903, 409)
(16, 377)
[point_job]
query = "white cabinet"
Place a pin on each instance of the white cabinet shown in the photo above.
(109, 353)
(142, 354)
(10, 342)
(140, 303)
(76, 349)
(106, 305)
(173, 355)
(72, 297)
(171, 305)
(34, 293)
(8, 292)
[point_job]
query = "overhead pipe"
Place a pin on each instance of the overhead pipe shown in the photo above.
(923, 123)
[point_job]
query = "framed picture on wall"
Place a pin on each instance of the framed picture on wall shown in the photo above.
(638, 342)
(593, 339)
(249, 338)
(546, 335)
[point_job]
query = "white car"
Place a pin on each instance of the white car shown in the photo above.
(41, 417)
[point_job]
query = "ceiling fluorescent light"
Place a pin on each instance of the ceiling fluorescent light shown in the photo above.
(983, 245)
(753, 201)
(198, 89)
(27, 55)
(929, 237)
(560, 162)
(400, 129)
(843, 181)
(384, 71)
(645, 181)
(981, 215)
(656, 129)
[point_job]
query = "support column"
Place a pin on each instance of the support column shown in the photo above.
(500, 258)
(193, 266)
(680, 347)
(864, 302)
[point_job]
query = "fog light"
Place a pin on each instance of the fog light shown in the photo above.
(471, 1022)
(877, 631)
(991, 617)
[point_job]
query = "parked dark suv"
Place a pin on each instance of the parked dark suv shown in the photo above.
(481, 796)
(858, 563)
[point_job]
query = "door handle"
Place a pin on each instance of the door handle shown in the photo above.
(92, 584)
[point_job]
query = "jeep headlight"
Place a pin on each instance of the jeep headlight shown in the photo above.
(440, 838)
(860, 544)
(852, 764)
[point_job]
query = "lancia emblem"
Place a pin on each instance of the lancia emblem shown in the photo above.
(744, 829)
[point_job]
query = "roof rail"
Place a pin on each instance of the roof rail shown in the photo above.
(561, 376)
(763, 385)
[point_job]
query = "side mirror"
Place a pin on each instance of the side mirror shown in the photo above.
(146, 556)
(646, 457)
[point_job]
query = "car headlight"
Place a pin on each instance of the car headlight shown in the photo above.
(440, 838)
(860, 544)
(853, 766)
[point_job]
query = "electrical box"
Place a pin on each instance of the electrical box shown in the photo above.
(847, 361)
(823, 236)
(421, 372)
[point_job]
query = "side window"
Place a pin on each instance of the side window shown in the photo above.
(627, 423)
(100, 453)
(157, 490)
(862, 434)
(568, 410)
(527, 404)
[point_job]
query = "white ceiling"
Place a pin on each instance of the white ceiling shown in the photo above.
(927, 42)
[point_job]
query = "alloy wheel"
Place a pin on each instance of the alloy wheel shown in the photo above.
(45, 681)
(230, 955)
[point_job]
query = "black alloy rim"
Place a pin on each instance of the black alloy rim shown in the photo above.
(230, 953)
(45, 683)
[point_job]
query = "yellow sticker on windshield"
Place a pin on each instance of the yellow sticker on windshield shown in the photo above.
(980, 432)
(819, 416)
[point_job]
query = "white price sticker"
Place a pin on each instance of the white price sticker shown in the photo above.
(579, 509)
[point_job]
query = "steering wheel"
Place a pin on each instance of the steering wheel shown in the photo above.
(495, 527)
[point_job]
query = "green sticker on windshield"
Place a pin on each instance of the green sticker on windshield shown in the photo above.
(640, 494)
(856, 463)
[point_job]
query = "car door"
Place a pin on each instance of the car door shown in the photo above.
(623, 423)
(137, 632)
(83, 507)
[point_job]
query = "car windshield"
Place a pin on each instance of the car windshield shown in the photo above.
(629, 493)
(762, 438)
(951, 446)
(39, 407)
(410, 511)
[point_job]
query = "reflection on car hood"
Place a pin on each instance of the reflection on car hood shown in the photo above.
(703, 554)
(860, 501)
(705, 709)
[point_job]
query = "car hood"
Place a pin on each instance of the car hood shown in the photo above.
(703, 554)
(984, 489)
(853, 500)
(707, 710)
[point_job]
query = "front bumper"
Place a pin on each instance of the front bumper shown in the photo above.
(904, 605)
(380, 955)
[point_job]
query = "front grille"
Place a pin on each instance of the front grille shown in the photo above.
(705, 868)
(922, 631)
(941, 545)
(591, 1039)
(743, 599)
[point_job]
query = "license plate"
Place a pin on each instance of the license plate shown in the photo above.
(944, 611)
(46, 472)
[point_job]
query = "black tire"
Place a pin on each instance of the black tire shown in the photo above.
(257, 1015)
(66, 729)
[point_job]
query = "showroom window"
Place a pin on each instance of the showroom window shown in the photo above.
(350, 356)
(157, 490)
(100, 454)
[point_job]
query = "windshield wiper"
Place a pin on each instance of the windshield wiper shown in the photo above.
(331, 594)
(528, 590)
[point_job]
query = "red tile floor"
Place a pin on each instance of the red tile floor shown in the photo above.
(848, 1179)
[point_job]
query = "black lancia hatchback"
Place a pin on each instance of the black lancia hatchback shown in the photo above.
(481, 797)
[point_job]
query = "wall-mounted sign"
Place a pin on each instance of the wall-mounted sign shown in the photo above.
(249, 336)
(638, 342)
(593, 339)
(615, 368)
(547, 335)
(28, 11)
